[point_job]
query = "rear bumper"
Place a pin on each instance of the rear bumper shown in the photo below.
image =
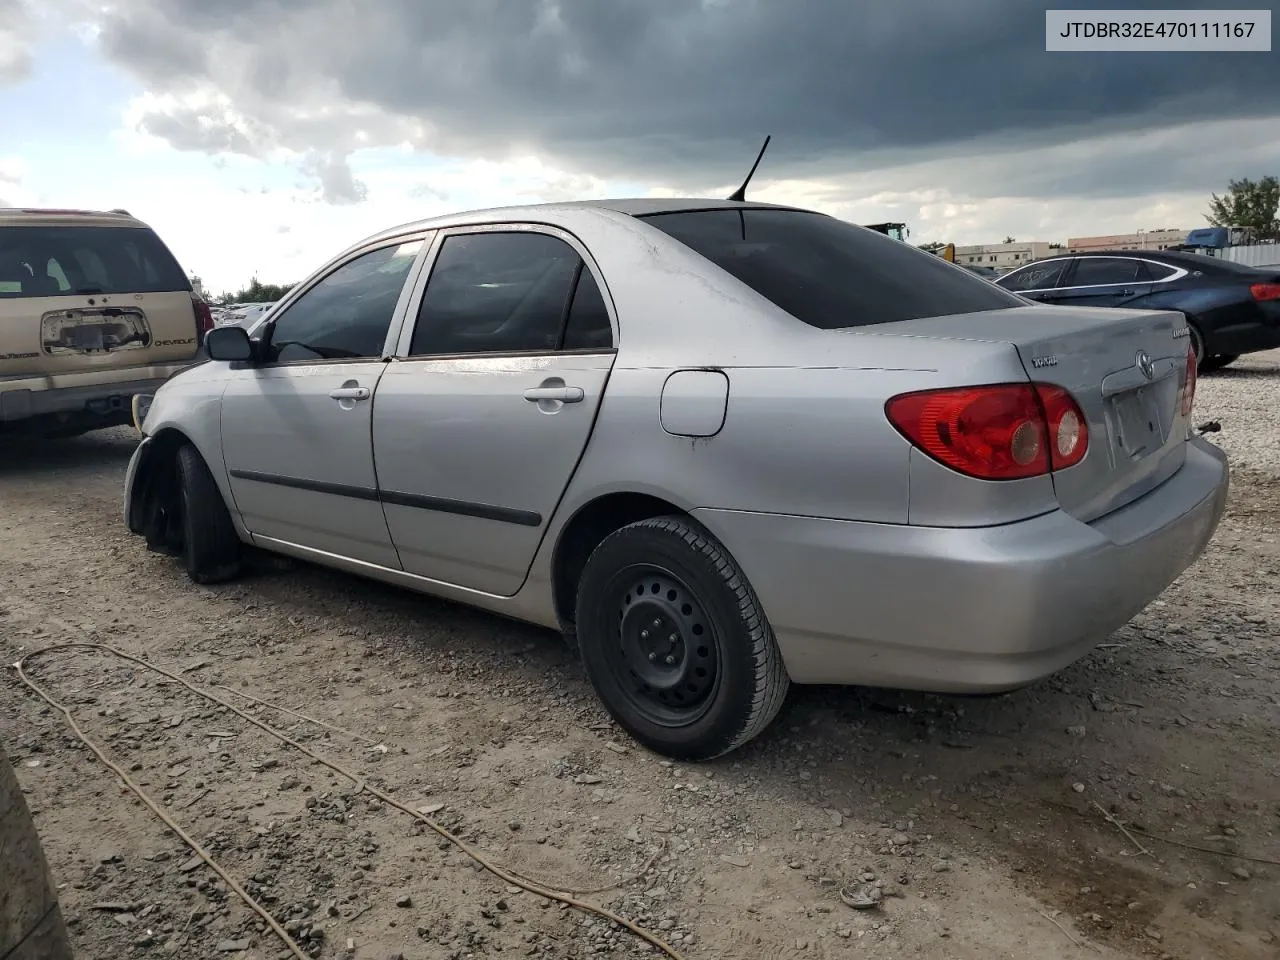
(968, 610)
(22, 399)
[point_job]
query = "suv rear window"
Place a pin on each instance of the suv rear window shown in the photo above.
(829, 273)
(52, 261)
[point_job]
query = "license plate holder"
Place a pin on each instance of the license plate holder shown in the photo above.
(1138, 424)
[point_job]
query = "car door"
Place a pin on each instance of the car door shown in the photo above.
(1036, 281)
(1103, 282)
(296, 428)
(482, 417)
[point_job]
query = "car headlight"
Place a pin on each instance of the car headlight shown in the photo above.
(141, 405)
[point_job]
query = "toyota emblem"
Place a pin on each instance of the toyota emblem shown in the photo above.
(1145, 364)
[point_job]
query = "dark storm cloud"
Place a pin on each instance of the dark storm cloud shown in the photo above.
(675, 91)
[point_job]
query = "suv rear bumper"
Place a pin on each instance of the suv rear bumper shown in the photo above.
(36, 397)
(968, 610)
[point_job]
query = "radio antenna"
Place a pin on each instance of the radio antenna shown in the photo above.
(740, 194)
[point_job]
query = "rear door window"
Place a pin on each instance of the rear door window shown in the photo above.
(499, 292)
(588, 327)
(48, 261)
(1104, 271)
(828, 273)
(1034, 276)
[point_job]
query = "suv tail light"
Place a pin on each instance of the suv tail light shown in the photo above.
(1188, 394)
(1004, 431)
(1265, 291)
(204, 318)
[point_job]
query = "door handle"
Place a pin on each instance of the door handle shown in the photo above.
(563, 394)
(351, 393)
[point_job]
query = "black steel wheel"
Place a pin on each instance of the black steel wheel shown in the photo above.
(674, 641)
(667, 657)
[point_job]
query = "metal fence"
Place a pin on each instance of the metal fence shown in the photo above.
(1253, 255)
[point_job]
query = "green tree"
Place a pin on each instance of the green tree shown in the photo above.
(1248, 203)
(257, 292)
(1010, 240)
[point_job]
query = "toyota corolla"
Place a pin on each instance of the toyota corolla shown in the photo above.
(722, 446)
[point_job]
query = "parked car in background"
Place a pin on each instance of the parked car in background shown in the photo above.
(722, 446)
(987, 273)
(243, 314)
(94, 309)
(1230, 309)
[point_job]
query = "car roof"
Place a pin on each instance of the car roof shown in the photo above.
(1178, 257)
(629, 206)
(65, 217)
(1173, 258)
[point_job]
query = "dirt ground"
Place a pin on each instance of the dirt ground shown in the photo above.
(984, 820)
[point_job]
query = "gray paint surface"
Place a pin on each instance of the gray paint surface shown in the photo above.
(925, 577)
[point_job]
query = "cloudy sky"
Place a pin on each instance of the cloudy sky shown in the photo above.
(261, 136)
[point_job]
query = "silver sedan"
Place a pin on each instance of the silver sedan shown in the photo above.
(723, 447)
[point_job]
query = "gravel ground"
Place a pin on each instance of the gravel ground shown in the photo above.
(1245, 398)
(981, 822)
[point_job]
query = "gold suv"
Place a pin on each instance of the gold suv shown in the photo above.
(94, 310)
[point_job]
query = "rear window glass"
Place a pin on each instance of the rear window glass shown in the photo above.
(829, 273)
(56, 261)
(1035, 276)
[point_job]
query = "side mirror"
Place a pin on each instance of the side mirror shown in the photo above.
(228, 343)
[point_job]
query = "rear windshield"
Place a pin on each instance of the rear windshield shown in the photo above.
(52, 261)
(829, 273)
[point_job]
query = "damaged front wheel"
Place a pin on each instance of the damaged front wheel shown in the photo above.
(210, 546)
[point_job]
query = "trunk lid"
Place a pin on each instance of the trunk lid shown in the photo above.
(1137, 434)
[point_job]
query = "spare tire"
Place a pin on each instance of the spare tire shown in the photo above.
(31, 925)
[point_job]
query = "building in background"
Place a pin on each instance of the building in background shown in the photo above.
(1142, 240)
(1005, 256)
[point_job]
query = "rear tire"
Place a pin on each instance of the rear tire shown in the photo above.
(674, 640)
(210, 546)
(1209, 364)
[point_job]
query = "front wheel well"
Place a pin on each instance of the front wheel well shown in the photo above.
(585, 531)
(155, 490)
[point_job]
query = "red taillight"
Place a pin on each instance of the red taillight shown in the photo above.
(1068, 432)
(1189, 384)
(1002, 431)
(204, 318)
(1265, 291)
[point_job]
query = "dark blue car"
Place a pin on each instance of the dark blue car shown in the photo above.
(1231, 309)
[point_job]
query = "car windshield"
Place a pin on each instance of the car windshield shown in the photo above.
(828, 273)
(55, 261)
